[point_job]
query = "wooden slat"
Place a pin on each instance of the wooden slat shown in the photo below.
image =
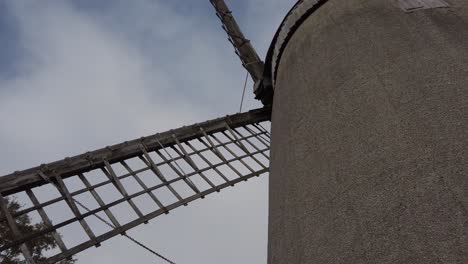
(14, 229)
(78, 192)
(111, 204)
(143, 185)
(236, 139)
(46, 220)
(149, 216)
(184, 151)
(179, 173)
(99, 200)
(189, 160)
(20, 181)
(259, 138)
(110, 173)
(62, 188)
(149, 162)
(261, 128)
(234, 132)
(217, 152)
(208, 162)
(234, 154)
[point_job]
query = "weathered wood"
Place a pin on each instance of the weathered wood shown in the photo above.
(183, 151)
(181, 173)
(234, 154)
(99, 200)
(189, 160)
(110, 173)
(148, 217)
(217, 152)
(143, 185)
(149, 162)
(21, 181)
(244, 49)
(77, 192)
(244, 148)
(208, 162)
(46, 220)
(261, 128)
(14, 229)
(261, 139)
(111, 204)
(62, 188)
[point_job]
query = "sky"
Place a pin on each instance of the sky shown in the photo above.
(80, 75)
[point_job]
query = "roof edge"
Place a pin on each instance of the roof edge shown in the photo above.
(293, 20)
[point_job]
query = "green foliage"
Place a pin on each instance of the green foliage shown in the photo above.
(37, 246)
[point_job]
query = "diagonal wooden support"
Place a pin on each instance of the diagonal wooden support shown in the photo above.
(244, 148)
(14, 229)
(143, 185)
(149, 162)
(189, 160)
(110, 173)
(180, 140)
(46, 220)
(259, 138)
(99, 200)
(249, 57)
(179, 171)
(233, 153)
(63, 190)
(217, 152)
(69, 167)
(207, 162)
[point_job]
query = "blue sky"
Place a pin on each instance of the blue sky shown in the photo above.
(79, 75)
(9, 49)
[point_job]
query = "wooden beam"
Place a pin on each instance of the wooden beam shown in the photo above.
(244, 49)
(21, 181)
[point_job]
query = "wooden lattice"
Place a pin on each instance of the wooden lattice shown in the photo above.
(162, 172)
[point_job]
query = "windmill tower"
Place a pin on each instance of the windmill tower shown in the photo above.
(369, 158)
(368, 102)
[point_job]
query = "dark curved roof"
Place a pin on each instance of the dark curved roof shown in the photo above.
(295, 17)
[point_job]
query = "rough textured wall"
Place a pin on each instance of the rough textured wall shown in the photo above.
(370, 137)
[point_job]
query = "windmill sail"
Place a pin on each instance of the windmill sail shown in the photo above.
(171, 169)
(166, 170)
(249, 58)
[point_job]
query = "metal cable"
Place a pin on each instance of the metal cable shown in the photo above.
(111, 225)
(243, 92)
(125, 235)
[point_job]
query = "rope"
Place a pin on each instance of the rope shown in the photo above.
(243, 92)
(127, 236)
(111, 225)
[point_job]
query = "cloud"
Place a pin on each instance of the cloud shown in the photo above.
(85, 82)
(90, 77)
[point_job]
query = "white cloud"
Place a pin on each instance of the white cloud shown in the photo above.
(83, 84)
(91, 78)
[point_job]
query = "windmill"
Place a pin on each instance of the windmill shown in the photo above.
(368, 160)
(185, 164)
